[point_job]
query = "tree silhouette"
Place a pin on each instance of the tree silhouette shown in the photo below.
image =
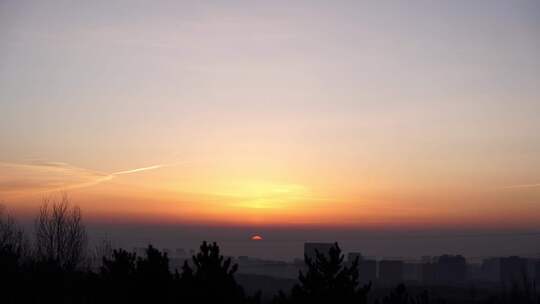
(60, 234)
(118, 277)
(129, 278)
(13, 251)
(13, 243)
(154, 266)
(400, 295)
(154, 280)
(328, 280)
(397, 296)
(120, 267)
(212, 278)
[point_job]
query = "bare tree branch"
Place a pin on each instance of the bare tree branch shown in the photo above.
(60, 234)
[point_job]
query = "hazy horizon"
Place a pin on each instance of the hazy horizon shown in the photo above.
(287, 243)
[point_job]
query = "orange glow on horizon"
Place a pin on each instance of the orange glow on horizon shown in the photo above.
(195, 196)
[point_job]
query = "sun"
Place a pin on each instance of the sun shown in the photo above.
(256, 237)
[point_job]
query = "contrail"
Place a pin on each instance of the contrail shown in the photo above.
(112, 175)
(522, 186)
(65, 176)
(140, 169)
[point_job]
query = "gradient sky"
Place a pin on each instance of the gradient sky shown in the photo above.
(382, 114)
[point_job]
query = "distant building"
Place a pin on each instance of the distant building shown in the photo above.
(367, 268)
(443, 270)
(451, 269)
(491, 270)
(537, 272)
(390, 272)
(367, 271)
(427, 259)
(311, 249)
(276, 269)
(412, 272)
(474, 272)
(428, 273)
(513, 269)
(531, 268)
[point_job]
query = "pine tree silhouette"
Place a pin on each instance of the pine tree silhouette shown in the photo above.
(211, 280)
(154, 280)
(118, 277)
(327, 280)
(120, 267)
(155, 266)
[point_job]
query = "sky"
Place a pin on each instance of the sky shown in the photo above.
(373, 115)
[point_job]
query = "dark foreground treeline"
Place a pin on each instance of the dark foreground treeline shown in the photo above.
(55, 268)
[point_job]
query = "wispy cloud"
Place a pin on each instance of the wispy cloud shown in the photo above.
(523, 186)
(43, 176)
